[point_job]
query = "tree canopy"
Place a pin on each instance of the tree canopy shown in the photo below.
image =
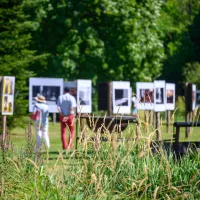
(101, 40)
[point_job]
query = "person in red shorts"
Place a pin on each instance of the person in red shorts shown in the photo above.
(66, 107)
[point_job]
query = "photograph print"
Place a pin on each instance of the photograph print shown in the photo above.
(159, 96)
(51, 93)
(7, 98)
(121, 97)
(145, 95)
(198, 98)
(50, 88)
(84, 96)
(170, 96)
(193, 96)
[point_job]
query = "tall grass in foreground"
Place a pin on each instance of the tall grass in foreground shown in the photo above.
(101, 170)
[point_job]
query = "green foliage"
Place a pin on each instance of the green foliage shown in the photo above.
(102, 40)
(15, 54)
(110, 172)
(192, 73)
(180, 105)
(179, 24)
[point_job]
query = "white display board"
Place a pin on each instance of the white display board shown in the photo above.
(170, 96)
(50, 88)
(145, 95)
(121, 97)
(7, 98)
(159, 96)
(193, 96)
(84, 96)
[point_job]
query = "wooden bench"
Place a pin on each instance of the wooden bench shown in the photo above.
(108, 123)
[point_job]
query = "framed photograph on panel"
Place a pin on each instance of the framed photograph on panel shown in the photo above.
(84, 96)
(50, 88)
(159, 96)
(170, 96)
(7, 97)
(198, 98)
(193, 97)
(121, 97)
(145, 95)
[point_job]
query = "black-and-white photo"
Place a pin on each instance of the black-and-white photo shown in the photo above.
(84, 95)
(159, 96)
(51, 93)
(198, 97)
(121, 97)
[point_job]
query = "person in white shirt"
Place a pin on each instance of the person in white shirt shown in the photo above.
(66, 107)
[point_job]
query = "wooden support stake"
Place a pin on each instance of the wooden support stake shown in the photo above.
(187, 113)
(146, 120)
(158, 130)
(77, 133)
(54, 118)
(110, 99)
(4, 127)
(168, 121)
(151, 117)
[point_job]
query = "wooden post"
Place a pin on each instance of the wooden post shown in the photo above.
(151, 117)
(110, 99)
(158, 130)
(4, 127)
(76, 137)
(187, 113)
(168, 121)
(54, 118)
(154, 119)
(146, 120)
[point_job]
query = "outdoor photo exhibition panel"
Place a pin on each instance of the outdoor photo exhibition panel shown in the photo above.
(7, 101)
(145, 95)
(84, 96)
(193, 97)
(159, 96)
(170, 96)
(50, 88)
(121, 97)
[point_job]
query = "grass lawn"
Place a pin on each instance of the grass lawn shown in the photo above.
(18, 137)
(111, 171)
